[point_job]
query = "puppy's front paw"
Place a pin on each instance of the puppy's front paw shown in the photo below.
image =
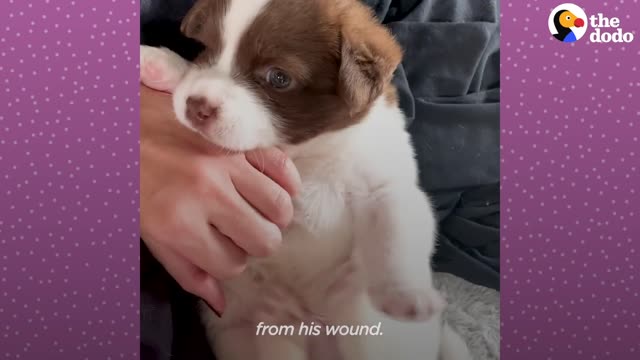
(403, 303)
(160, 69)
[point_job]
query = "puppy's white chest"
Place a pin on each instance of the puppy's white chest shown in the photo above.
(321, 207)
(320, 237)
(323, 203)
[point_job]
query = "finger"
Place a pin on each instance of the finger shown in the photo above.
(154, 101)
(194, 239)
(191, 278)
(276, 164)
(265, 195)
(216, 254)
(235, 218)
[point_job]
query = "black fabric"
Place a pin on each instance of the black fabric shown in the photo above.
(448, 85)
(169, 324)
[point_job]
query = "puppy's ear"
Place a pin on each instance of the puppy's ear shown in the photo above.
(199, 22)
(193, 23)
(369, 56)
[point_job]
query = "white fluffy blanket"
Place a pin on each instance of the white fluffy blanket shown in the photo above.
(474, 313)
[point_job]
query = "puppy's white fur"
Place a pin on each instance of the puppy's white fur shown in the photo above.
(236, 20)
(243, 122)
(361, 239)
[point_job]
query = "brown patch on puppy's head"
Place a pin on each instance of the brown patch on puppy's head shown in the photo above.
(314, 66)
(338, 56)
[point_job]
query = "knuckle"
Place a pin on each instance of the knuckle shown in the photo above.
(212, 186)
(279, 160)
(204, 179)
(170, 224)
(268, 243)
(203, 182)
(224, 200)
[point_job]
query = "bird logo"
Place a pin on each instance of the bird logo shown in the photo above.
(568, 23)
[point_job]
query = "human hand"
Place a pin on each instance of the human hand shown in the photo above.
(203, 210)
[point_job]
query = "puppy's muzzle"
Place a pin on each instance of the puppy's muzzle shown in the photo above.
(201, 112)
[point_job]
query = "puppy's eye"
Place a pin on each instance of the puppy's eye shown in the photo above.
(278, 79)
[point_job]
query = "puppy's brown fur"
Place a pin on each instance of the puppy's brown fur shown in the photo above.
(339, 58)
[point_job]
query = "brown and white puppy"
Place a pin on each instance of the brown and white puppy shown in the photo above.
(313, 77)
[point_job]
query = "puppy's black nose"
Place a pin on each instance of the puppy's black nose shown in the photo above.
(200, 112)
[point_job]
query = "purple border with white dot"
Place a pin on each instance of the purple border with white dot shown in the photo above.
(570, 188)
(69, 248)
(69, 173)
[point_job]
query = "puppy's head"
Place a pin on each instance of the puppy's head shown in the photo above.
(282, 71)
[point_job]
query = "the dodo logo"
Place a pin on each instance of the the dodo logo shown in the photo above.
(568, 23)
